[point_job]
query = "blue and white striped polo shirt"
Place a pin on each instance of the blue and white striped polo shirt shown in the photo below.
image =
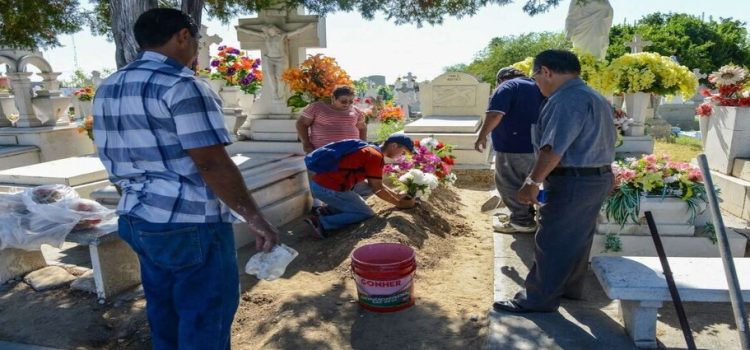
(145, 116)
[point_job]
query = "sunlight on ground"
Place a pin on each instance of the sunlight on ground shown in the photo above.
(682, 149)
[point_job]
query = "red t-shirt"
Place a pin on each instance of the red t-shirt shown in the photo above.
(353, 168)
(331, 125)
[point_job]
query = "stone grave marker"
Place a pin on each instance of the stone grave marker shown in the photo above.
(453, 105)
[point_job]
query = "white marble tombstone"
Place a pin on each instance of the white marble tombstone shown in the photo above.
(454, 105)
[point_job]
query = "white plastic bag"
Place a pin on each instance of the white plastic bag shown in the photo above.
(270, 266)
(45, 215)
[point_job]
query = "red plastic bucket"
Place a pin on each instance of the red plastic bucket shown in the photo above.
(384, 273)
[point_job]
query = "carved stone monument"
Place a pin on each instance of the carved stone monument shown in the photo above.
(282, 36)
(41, 129)
(588, 24)
(453, 106)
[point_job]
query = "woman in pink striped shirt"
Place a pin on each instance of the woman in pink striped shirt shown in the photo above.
(322, 122)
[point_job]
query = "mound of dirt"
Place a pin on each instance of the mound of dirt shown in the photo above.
(435, 219)
(313, 306)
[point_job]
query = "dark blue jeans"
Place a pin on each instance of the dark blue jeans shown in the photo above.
(190, 278)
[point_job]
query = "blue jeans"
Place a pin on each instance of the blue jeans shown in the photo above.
(346, 207)
(190, 279)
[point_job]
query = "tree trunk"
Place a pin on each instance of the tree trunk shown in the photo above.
(124, 14)
(194, 8)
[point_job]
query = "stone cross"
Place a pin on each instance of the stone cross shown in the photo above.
(698, 73)
(282, 36)
(410, 78)
(204, 47)
(638, 44)
(698, 98)
(96, 79)
(405, 95)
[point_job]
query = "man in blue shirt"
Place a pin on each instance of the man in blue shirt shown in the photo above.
(513, 108)
(160, 134)
(575, 141)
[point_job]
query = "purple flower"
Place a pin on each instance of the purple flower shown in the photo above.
(231, 71)
(235, 51)
(215, 63)
(244, 81)
(222, 47)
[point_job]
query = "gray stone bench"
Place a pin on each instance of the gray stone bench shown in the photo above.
(639, 284)
(115, 265)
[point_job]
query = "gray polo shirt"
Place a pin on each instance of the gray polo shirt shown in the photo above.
(577, 122)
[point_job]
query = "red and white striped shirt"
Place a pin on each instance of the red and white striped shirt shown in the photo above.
(330, 124)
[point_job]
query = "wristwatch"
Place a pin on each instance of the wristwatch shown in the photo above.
(530, 181)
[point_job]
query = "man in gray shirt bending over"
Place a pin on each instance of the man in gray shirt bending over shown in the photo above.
(574, 140)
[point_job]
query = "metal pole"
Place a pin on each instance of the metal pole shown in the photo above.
(670, 282)
(735, 293)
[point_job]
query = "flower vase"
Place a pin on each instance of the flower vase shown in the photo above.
(246, 102)
(672, 216)
(231, 96)
(83, 108)
(617, 100)
(726, 137)
(703, 126)
(216, 85)
(636, 105)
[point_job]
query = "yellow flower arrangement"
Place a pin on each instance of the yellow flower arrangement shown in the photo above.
(649, 72)
(591, 71)
(525, 66)
(314, 80)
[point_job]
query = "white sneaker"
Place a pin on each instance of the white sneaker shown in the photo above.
(507, 227)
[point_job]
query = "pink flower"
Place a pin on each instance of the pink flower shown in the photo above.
(704, 110)
(650, 159)
(695, 175)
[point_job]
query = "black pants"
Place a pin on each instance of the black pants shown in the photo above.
(566, 231)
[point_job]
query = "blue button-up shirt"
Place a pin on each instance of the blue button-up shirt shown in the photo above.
(145, 116)
(578, 124)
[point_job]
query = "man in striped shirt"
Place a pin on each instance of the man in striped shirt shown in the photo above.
(160, 134)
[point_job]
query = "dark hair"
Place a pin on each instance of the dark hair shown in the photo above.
(508, 73)
(558, 61)
(156, 26)
(342, 90)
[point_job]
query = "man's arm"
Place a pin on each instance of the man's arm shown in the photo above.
(491, 121)
(303, 125)
(546, 162)
(224, 178)
(387, 195)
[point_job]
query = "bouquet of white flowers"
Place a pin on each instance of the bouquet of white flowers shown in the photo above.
(417, 183)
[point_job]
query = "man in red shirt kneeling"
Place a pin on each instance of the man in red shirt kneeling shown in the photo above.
(343, 205)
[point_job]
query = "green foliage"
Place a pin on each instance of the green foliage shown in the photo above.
(37, 23)
(696, 43)
(387, 129)
(711, 231)
(360, 86)
(504, 51)
(612, 243)
(385, 93)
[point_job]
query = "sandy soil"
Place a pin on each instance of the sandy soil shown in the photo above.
(313, 306)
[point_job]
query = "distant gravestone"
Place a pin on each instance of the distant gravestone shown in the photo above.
(378, 80)
(453, 106)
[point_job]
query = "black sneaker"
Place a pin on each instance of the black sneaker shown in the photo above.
(317, 229)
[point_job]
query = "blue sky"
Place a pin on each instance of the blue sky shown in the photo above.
(379, 47)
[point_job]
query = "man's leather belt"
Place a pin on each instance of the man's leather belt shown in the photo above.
(571, 171)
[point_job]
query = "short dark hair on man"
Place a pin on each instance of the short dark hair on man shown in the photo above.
(156, 26)
(508, 73)
(558, 61)
(343, 90)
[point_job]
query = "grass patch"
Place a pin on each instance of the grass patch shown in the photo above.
(681, 148)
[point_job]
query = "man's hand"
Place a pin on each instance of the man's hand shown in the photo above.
(480, 144)
(527, 194)
(308, 147)
(266, 236)
(406, 203)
